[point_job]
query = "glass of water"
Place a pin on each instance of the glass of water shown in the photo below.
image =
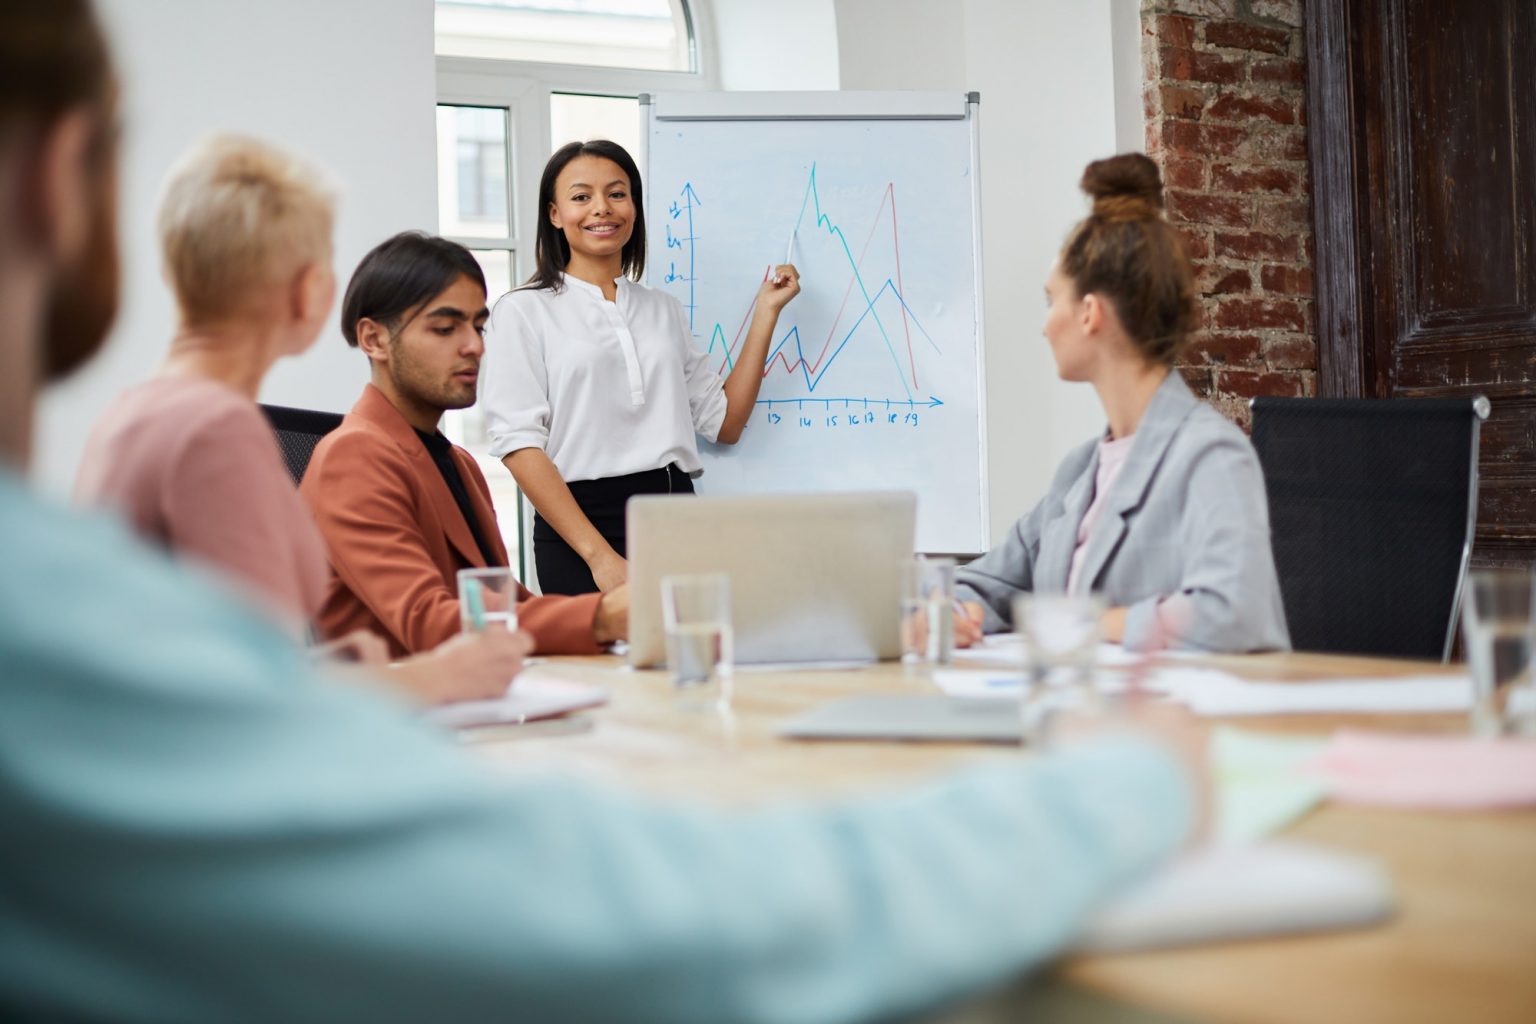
(927, 611)
(696, 613)
(1498, 628)
(487, 599)
(1061, 638)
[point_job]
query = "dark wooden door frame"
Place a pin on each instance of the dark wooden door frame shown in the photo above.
(1376, 336)
(1345, 368)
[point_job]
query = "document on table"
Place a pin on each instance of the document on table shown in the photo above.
(1217, 693)
(1453, 772)
(1262, 782)
(1006, 650)
(1228, 892)
(526, 700)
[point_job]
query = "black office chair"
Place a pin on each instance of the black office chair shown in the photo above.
(298, 431)
(1372, 505)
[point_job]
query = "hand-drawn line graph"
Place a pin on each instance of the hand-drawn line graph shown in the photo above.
(788, 356)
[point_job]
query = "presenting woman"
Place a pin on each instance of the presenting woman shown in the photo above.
(592, 386)
(1164, 514)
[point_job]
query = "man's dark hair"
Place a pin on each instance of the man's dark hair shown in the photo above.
(53, 57)
(399, 276)
(552, 251)
(54, 60)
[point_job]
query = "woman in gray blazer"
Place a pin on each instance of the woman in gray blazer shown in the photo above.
(1165, 514)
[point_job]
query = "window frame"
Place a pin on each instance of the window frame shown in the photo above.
(524, 89)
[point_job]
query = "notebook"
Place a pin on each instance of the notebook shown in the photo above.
(526, 700)
(1221, 893)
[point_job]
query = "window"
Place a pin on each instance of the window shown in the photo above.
(515, 81)
(651, 35)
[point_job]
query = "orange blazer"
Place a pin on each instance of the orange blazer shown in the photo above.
(397, 539)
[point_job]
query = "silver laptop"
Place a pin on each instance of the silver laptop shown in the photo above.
(814, 578)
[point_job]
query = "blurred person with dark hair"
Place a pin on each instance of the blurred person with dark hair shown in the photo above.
(403, 509)
(199, 828)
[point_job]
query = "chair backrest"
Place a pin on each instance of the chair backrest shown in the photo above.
(298, 431)
(1372, 505)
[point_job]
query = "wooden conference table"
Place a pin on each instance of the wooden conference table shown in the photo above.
(1461, 947)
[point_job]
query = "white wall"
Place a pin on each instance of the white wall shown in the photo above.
(1045, 71)
(351, 84)
(1130, 118)
(901, 44)
(348, 83)
(773, 44)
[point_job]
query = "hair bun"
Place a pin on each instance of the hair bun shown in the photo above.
(1124, 187)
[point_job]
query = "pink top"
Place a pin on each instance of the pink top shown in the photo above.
(1172, 609)
(1112, 455)
(193, 466)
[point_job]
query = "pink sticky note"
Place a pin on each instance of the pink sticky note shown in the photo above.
(1429, 771)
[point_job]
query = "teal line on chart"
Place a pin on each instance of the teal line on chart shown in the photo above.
(717, 338)
(823, 221)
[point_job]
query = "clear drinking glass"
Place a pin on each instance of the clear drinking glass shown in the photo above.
(487, 598)
(1498, 628)
(1061, 638)
(927, 610)
(696, 614)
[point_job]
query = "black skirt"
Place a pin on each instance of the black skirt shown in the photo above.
(561, 569)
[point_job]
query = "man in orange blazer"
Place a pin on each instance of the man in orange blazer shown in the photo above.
(402, 509)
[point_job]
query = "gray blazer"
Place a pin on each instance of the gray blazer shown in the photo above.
(1187, 515)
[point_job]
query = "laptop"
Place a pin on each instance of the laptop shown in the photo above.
(814, 578)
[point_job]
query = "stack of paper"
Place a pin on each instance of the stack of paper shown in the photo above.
(1214, 692)
(526, 700)
(1231, 892)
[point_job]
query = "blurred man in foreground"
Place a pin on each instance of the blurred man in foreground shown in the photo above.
(200, 829)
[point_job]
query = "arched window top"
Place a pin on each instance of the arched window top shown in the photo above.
(652, 35)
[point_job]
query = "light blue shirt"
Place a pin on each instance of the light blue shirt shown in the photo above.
(196, 828)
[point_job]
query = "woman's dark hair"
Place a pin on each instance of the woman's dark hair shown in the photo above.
(400, 275)
(552, 251)
(1127, 252)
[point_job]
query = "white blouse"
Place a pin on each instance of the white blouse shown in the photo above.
(605, 388)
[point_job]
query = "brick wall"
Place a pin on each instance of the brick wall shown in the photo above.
(1225, 98)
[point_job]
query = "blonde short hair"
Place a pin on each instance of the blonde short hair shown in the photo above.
(237, 215)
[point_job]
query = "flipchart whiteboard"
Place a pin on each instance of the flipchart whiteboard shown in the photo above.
(874, 376)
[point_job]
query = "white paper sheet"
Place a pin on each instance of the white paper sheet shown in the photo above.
(1213, 692)
(1221, 893)
(527, 700)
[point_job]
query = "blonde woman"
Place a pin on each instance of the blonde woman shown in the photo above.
(187, 457)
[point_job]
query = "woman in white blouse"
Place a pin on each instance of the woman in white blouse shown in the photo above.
(592, 386)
